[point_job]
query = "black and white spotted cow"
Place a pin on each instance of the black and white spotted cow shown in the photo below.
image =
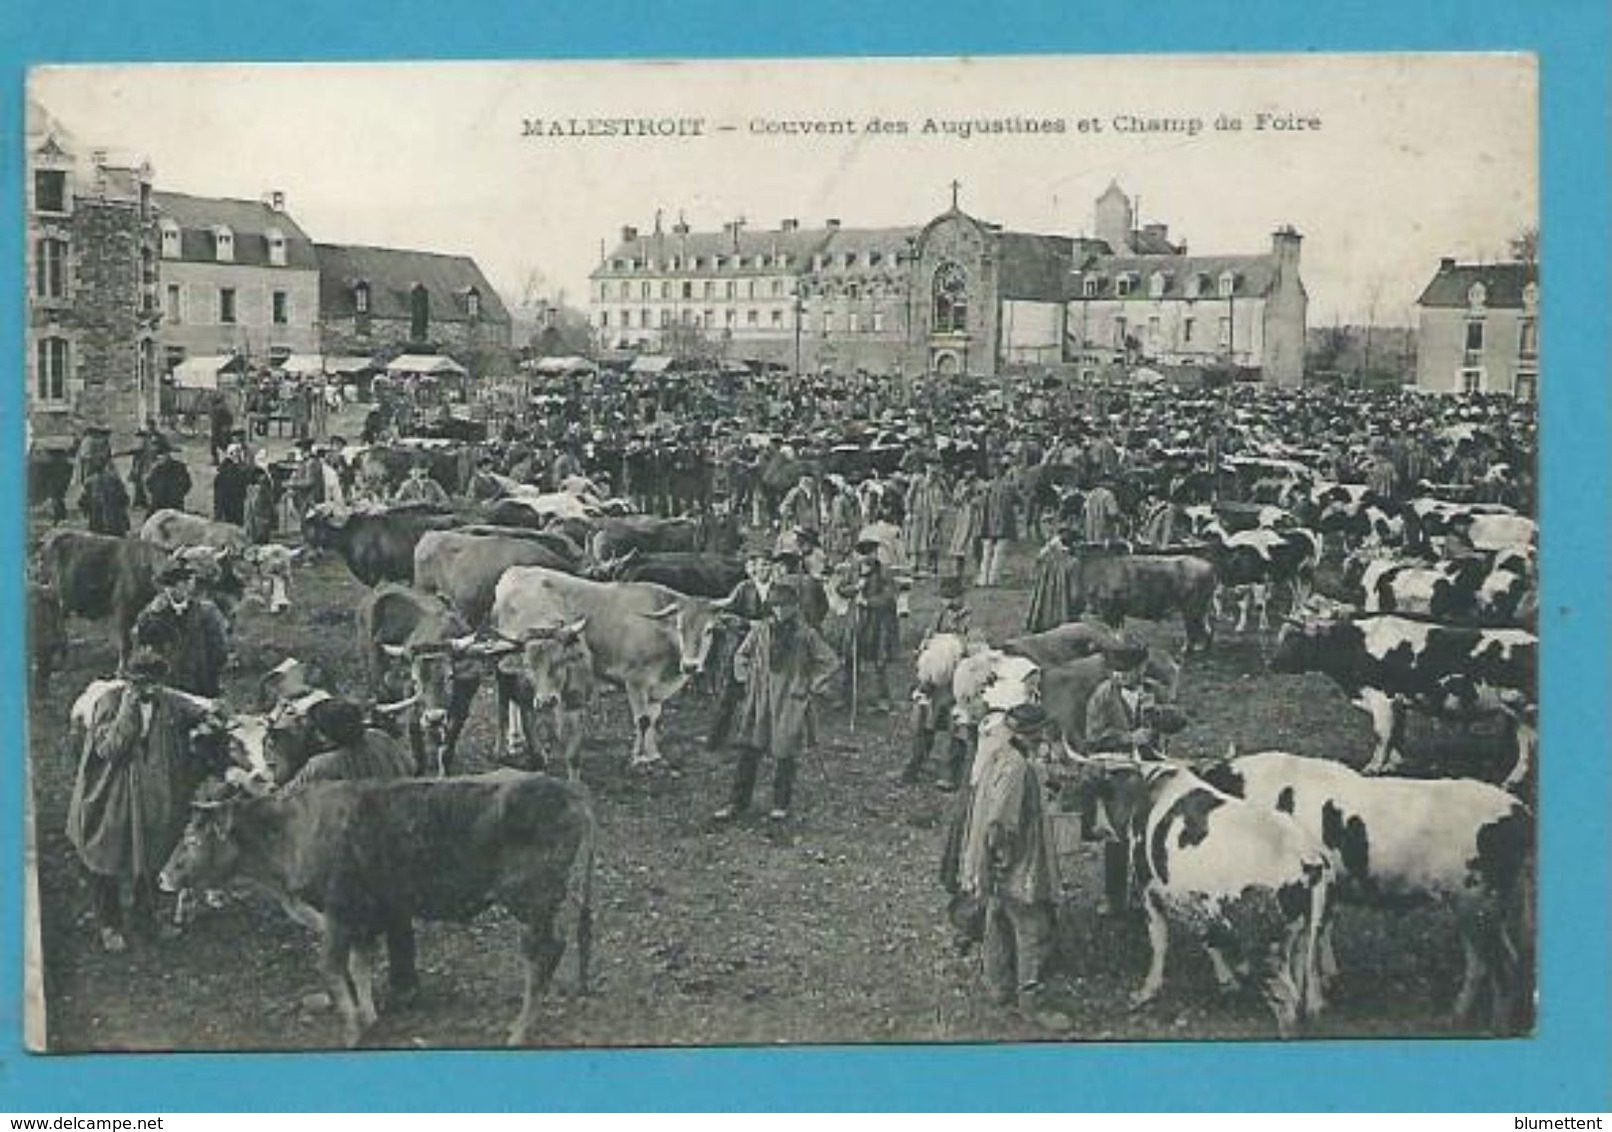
(1455, 843)
(1253, 562)
(1472, 590)
(1247, 882)
(1387, 664)
(1483, 526)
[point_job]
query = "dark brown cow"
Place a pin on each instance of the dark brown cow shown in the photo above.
(1149, 586)
(373, 857)
(378, 546)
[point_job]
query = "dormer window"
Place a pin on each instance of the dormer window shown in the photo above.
(170, 239)
(223, 244)
(1197, 284)
(361, 298)
(1123, 285)
(1530, 298)
(1155, 285)
(276, 239)
(473, 303)
(1228, 284)
(1088, 287)
(1477, 295)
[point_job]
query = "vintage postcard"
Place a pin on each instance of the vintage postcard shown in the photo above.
(805, 551)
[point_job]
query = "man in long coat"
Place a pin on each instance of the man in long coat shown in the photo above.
(1000, 859)
(105, 502)
(783, 663)
(927, 500)
(229, 487)
(137, 771)
(998, 525)
(167, 482)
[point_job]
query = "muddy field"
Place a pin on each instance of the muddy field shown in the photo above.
(829, 928)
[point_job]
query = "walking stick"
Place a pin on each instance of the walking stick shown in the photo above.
(856, 635)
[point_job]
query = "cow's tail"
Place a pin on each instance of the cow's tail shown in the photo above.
(1311, 994)
(581, 893)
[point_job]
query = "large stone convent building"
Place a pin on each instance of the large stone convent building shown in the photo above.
(957, 295)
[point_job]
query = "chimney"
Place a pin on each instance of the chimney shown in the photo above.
(1285, 245)
(275, 199)
(1446, 265)
(789, 225)
(680, 229)
(628, 233)
(832, 223)
(1157, 231)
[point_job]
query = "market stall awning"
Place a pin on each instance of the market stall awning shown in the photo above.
(202, 372)
(301, 364)
(433, 364)
(651, 363)
(562, 365)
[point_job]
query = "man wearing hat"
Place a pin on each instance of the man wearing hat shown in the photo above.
(229, 486)
(306, 487)
(875, 624)
(220, 422)
(138, 769)
(167, 480)
(1116, 723)
(105, 502)
(998, 523)
(999, 862)
(419, 487)
(783, 663)
(187, 631)
(749, 604)
(955, 616)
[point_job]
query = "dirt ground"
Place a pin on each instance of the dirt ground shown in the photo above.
(830, 928)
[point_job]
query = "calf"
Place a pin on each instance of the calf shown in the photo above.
(372, 857)
(1387, 664)
(1456, 843)
(1245, 880)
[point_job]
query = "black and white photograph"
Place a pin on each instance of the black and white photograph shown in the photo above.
(717, 553)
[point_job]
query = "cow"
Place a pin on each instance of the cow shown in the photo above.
(553, 675)
(1248, 882)
(1066, 691)
(377, 545)
(644, 638)
(1059, 645)
(270, 563)
(100, 576)
(564, 547)
(614, 537)
(1149, 586)
(1432, 522)
(1471, 590)
(688, 572)
(399, 623)
(1387, 664)
(463, 567)
(1255, 561)
(932, 701)
(171, 530)
(1237, 517)
(372, 857)
(1456, 843)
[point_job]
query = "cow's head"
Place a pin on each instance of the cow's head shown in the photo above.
(694, 622)
(320, 524)
(208, 851)
(559, 665)
(1108, 791)
(1306, 634)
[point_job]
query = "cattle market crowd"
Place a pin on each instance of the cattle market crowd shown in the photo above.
(756, 548)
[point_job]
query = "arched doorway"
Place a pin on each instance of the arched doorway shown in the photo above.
(945, 363)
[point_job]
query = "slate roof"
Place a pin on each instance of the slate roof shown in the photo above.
(393, 273)
(249, 220)
(1504, 283)
(1032, 267)
(1255, 274)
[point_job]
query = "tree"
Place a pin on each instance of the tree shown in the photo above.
(1525, 245)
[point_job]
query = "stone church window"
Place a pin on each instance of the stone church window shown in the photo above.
(950, 314)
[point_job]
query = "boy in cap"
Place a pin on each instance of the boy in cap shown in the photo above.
(1116, 722)
(1000, 862)
(783, 663)
(187, 632)
(955, 616)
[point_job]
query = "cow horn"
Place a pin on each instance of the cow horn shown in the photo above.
(574, 630)
(394, 651)
(722, 605)
(460, 644)
(400, 705)
(662, 614)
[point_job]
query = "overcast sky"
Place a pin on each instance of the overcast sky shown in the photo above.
(1416, 157)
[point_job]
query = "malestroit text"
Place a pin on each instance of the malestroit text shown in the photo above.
(961, 129)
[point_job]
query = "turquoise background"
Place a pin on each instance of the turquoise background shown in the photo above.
(1565, 1068)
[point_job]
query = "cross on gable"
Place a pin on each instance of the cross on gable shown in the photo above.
(956, 188)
